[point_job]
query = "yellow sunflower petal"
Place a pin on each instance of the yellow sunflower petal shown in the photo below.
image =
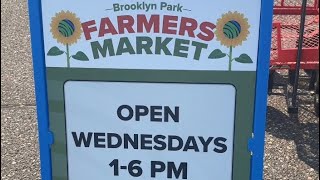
(232, 29)
(66, 27)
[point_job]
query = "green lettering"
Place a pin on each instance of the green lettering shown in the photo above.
(125, 46)
(116, 7)
(97, 49)
(199, 46)
(144, 43)
(162, 46)
(179, 47)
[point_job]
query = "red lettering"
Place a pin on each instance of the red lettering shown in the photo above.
(151, 25)
(125, 22)
(143, 23)
(188, 25)
(106, 27)
(206, 33)
(88, 29)
(168, 23)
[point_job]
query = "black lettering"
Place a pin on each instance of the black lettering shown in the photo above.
(157, 166)
(191, 144)
(119, 112)
(223, 147)
(99, 138)
(133, 142)
(205, 143)
(111, 143)
(172, 169)
(170, 143)
(174, 115)
(141, 111)
(146, 139)
(82, 138)
(161, 145)
(155, 112)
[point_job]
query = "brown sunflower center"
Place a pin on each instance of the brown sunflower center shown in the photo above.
(66, 28)
(232, 29)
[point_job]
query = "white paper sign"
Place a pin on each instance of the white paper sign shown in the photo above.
(142, 131)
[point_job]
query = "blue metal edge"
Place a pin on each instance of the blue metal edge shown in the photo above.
(39, 67)
(260, 111)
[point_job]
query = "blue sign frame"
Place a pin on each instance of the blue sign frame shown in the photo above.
(255, 145)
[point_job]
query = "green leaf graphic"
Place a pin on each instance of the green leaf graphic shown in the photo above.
(217, 54)
(244, 58)
(81, 56)
(55, 51)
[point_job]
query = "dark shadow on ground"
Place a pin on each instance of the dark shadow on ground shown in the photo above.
(305, 135)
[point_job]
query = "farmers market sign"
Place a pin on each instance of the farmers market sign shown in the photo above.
(148, 89)
(142, 30)
(231, 30)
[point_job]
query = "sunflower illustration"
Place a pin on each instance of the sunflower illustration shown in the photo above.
(232, 30)
(66, 29)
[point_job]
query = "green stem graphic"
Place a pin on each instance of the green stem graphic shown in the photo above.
(68, 57)
(230, 58)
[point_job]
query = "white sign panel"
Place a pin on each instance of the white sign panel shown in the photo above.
(180, 34)
(142, 131)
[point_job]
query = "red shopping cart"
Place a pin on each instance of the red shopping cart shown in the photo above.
(289, 17)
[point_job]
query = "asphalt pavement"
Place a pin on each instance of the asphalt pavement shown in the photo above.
(292, 142)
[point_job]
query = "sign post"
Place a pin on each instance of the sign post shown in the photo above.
(151, 89)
